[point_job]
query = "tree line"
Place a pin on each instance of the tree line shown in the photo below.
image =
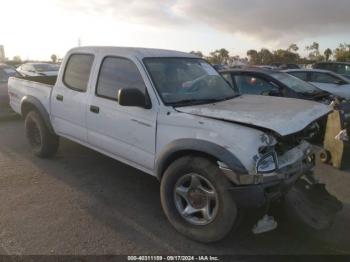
(283, 56)
(16, 60)
(264, 56)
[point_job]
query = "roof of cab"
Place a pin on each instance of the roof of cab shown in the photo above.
(132, 51)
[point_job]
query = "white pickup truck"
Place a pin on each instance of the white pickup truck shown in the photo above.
(171, 115)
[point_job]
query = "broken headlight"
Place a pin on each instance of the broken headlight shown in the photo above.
(267, 163)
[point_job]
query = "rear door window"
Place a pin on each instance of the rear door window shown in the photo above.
(77, 71)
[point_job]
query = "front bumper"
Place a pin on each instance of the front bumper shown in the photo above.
(257, 196)
(256, 190)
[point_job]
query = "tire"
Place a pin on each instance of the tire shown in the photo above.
(222, 208)
(43, 143)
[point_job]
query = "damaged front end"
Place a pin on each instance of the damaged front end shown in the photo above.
(274, 175)
(284, 172)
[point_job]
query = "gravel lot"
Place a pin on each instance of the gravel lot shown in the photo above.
(82, 202)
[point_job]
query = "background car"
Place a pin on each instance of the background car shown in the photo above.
(282, 66)
(276, 83)
(325, 80)
(38, 69)
(268, 67)
(5, 72)
(340, 68)
(219, 67)
(289, 66)
(273, 83)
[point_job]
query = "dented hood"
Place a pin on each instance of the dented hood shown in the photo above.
(284, 116)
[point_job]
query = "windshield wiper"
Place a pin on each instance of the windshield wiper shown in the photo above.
(189, 102)
(313, 92)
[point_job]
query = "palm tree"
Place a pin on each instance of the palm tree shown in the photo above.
(220, 56)
(54, 58)
(293, 48)
(253, 56)
(327, 53)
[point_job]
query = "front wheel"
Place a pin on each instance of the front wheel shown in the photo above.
(43, 143)
(196, 200)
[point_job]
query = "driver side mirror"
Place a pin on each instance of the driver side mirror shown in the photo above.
(132, 97)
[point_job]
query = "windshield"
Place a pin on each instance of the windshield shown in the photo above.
(45, 67)
(296, 84)
(185, 81)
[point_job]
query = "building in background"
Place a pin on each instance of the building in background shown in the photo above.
(2, 53)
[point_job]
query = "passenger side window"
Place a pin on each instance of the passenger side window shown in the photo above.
(300, 75)
(77, 72)
(255, 85)
(117, 73)
(323, 78)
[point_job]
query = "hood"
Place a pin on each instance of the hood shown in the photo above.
(284, 116)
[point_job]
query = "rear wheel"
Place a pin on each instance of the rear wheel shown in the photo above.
(43, 143)
(196, 200)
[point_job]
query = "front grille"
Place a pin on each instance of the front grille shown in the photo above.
(286, 143)
(314, 134)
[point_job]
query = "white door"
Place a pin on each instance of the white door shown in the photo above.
(127, 133)
(70, 96)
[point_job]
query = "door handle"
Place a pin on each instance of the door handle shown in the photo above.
(95, 109)
(59, 97)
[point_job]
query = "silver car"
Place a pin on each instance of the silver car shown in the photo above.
(326, 80)
(38, 69)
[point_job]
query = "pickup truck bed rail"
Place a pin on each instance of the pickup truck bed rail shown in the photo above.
(48, 80)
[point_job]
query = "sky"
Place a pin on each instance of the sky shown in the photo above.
(36, 29)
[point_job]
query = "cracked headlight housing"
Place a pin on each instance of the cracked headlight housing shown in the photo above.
(267, 163)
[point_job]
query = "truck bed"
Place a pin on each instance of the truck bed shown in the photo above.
(48, 80)
(38, 87)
